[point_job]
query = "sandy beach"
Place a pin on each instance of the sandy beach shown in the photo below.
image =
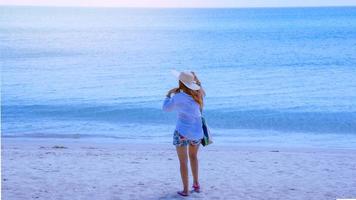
(108, 169)
(84, 83)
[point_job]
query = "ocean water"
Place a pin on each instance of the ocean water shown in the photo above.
(273, 76)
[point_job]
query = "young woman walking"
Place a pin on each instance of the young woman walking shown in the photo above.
(187, 101)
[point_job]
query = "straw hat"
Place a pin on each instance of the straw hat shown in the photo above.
(187, 78)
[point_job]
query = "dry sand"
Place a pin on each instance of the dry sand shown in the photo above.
(92, 169)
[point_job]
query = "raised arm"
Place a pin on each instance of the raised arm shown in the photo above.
(201, 90)
(169, 102)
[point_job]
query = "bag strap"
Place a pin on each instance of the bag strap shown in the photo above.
(201, 108)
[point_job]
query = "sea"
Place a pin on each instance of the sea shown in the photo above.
(276, 77)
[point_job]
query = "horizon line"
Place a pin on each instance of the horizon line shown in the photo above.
(182, 7)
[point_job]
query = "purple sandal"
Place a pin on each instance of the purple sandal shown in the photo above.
(182, 193)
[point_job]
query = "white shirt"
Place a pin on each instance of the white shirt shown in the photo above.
(189, 122)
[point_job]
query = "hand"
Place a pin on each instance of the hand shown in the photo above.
(196, 79)
(174, 90)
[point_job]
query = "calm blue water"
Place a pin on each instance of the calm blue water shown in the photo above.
(272, 76)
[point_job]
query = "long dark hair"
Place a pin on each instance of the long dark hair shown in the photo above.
(197, 95)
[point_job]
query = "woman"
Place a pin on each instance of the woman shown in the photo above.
(187, 100)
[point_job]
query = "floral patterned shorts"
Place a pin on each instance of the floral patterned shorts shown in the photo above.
(180, 141)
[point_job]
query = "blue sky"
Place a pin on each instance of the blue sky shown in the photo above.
(182, 3)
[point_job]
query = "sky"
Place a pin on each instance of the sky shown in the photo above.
(182, 3)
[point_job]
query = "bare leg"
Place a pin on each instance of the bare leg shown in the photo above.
(183, 161)
(193, 157)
